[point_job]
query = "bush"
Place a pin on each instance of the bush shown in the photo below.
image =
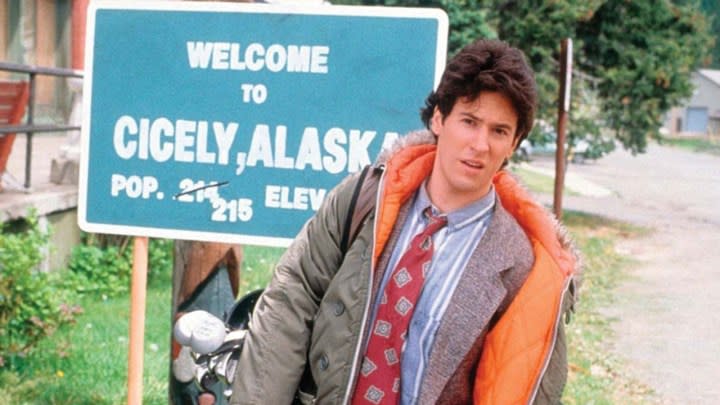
(99, 271)
(103, 265)
(160, 262)
(32, 305)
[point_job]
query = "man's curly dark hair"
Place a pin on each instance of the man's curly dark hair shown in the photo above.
(487, 65)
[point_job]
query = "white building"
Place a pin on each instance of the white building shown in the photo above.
(700, 115)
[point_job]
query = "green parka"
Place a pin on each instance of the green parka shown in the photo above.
(311, 318)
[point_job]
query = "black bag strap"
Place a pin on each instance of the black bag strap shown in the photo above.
(361, 203)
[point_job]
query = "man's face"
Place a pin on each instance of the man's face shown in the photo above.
(473, 142)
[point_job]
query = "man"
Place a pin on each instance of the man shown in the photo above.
(482, 325)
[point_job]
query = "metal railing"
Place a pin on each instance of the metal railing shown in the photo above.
(29, 129)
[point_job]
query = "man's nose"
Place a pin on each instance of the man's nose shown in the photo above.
(480, 139)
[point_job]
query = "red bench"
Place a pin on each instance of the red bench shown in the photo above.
(13, 100)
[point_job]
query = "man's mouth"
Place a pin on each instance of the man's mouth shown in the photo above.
(473, 164)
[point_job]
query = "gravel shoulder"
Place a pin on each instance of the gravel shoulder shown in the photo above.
(667, 313)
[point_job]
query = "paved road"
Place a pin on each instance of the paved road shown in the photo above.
(668, 313)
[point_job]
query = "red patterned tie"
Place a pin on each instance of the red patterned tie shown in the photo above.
(379, 379)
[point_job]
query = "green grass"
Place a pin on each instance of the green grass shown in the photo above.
(538, 182)
(87, 362)
(595, 375)
(702, 144)
(258, 265)
(535, 182)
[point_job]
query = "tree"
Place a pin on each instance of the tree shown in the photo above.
(468, 20)
(712, 10)
(537, 27)
(633, 59)
(643, 54)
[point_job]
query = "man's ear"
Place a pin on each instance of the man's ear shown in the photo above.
(436, 122)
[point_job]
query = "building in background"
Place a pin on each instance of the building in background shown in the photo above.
(44, 33)
(39, 33)
(700, 115)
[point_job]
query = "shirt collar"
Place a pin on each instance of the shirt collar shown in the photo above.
(461, 217)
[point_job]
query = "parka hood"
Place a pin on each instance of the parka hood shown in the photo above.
(419, 137)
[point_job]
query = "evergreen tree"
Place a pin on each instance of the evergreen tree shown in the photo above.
(712, 10)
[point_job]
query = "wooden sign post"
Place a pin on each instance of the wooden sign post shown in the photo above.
(137, 319)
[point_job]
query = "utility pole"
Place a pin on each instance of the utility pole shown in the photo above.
(565, 80)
